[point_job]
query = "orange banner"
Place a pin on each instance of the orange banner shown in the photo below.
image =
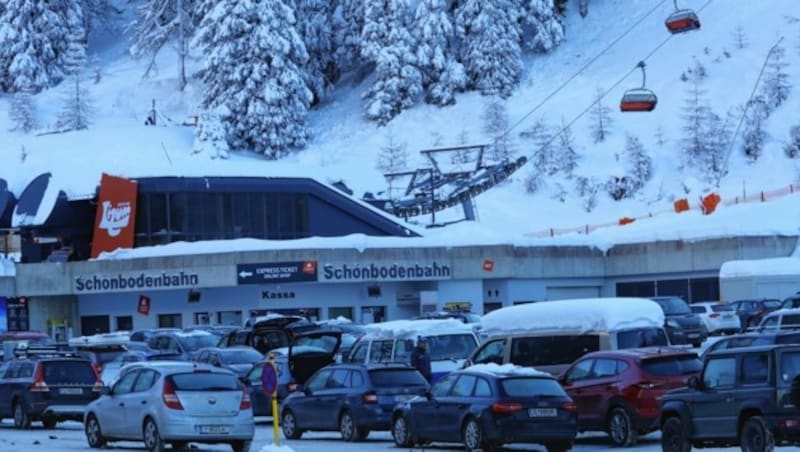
(115, 219)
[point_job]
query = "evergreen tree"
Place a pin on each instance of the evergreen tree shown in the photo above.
(37, 40)
(159, 22)
(254, 56)
(792, 148)
(77, 108)
(22, 112)
(754, 134)
(398, 82)
(377, 26)
(641, 165)
(442, 75)
(566, 156)
(739, 38)
(542, 137)
(696, 113)
(583, 7)
(97, 13)
(210, 137)
(776, 86)
(393, 158)
(489, 32)
(718, 141)
(541, 25)
(587, 189)
(348, 25)
(601, 118)
(660, 138)
(495, 123)
(314, 25)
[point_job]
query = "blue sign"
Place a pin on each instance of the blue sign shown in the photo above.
(269, 378)
(277, 272)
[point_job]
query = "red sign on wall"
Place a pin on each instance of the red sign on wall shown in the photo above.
(115, 219)
(144, 305)
(488, 265)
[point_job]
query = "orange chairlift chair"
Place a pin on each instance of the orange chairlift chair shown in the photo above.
(639, 99)
(682, 20)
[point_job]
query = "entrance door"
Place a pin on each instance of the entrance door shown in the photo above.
(94, 324)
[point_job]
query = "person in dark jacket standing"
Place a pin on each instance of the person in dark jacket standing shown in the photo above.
(420, 359)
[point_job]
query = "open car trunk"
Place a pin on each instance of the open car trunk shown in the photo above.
(312, 351)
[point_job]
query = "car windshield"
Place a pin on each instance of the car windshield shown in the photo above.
(195, 341)
(204, 381)
(241, 356)
(722, 308)
(772, 304)
(672, 306)
(451, 346)
(641, 337)
(531, 387)
(672, 366)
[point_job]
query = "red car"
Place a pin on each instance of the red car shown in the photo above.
(618, 391)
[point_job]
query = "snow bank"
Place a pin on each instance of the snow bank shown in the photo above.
(116, 338)
(413, 328)
(507, 369)
(587, 314)
(274, 448)
(761, 267)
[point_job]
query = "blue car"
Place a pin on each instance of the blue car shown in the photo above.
(353, 399)
(487, 405)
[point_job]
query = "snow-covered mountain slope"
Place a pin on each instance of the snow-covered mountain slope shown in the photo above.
(345, 146)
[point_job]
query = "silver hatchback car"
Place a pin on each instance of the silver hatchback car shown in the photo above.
(172, 404)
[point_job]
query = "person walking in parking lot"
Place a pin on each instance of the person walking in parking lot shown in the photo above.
(420, 359)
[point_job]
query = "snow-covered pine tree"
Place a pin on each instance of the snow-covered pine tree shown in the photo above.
(393, 158)
(77, 108)
(739, 37)
(718, 141)
(542, 137)
(776, 86)
(36, 40)
(641, 165)
(698, 71)
(495, 123)
(22, 112)
(587, 189)
(753, 135)
(583, 7)
(210, 138)
(620, 187)
(254, 59)
(696, 113)
(97, 13)
(660, 137)
(377, 26)
(601, 118)
(398, 81)
(792, 148)
(442, 75)
(314, 25)
(542, 27)
(566, 155)
(489, 32)
(348, 24)
(159, 22)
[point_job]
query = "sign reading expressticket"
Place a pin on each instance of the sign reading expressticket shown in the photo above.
(276, 272)
(124, 282)
(398, 271)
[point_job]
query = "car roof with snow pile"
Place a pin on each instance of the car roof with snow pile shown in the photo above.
(119, 338)
(411, 329)
(506, 370)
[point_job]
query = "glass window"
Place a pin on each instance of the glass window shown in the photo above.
(240, 212)
(211, 216)
(483, 388)
(124, 323)
(125, 384)
(636, 289)
(397, 377)
(12, 371)
(271, 213)
(770, 323)
(451, 346)
(537, 351)
(464, 386)
(356, 379)
(674, 287)
(529, 387)
(381, 351)
(719, 372)
(790, 321)
(145, 381)
(492, 352)
(699, 309)
(359, 354)
(338, 379)
(442, 387)
(604, 368)
(790, 365)
(704, 289)
(403, 350)
(301, 222)
(142, 217)
(336, 312)
(158, 214)
(672, 366)
(225, 204)
(169, 321)
(205, 381)
(319, 380)
(754, 368)
(722, 308)
(580, 370)
(258, 214)
(673, 305)
(229, 317)
(641, 337)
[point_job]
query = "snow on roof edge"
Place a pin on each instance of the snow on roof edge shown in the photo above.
(778, 266)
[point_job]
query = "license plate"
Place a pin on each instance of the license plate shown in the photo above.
(70, 391)
(541, 412)
(214, 429)
(694, 334)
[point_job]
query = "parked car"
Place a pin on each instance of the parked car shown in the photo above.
(752, 339)
(791, 302)
(485, 406)
(173, 405)
(221, 331)
(353, 399)
(181, 343)
(751, 311)
(683, 326)
(111, 369)
(262, 402)
(10, 339)
(140, 337)
(719, 318)
(239, 359)
(782, 319)
(43, 384)
(268, 332)
(618, 392)
(743, 397)
(101, 349)
(464, 316)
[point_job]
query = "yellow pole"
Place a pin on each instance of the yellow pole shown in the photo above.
(275, 430)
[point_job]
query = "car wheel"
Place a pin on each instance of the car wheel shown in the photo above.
(22, 420)
(558, 447)
(673, 436)
(402, 437)
(347, 427)
(49, 423)
(289, 426)
(620, 428)
(152, 437)
(241, 446)
(94, 436)
(756, 436)
(472, 437)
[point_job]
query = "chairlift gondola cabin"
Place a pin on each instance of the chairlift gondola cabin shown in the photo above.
(682, 20)
(638, 99)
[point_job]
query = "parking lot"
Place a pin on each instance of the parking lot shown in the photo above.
(69, 436)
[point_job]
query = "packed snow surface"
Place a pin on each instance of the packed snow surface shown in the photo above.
(760, 267)
(584, 314)
(413, 328)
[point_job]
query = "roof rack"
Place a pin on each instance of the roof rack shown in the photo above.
(42, 351)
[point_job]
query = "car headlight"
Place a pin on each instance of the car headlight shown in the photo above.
(673, 324)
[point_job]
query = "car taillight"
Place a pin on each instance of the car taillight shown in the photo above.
(98, 382)
(171, 399)
(98, 368)
(570, 407)
(714, 315)
(370, 397)
(245, 405)
(39, 385)
(506, 408)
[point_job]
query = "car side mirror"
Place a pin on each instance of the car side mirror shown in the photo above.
(693, 382)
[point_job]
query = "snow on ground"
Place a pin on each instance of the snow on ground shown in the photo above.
(414, 328)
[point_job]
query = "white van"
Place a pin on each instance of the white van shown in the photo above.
(551, 335)
(450, 343)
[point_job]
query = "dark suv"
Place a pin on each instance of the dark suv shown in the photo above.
(751, 311)
(682, 325)
(268, 332)
(48, 386)
(743, 397)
